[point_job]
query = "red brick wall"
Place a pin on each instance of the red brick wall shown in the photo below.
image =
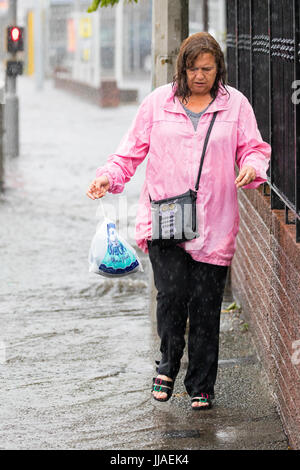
(265, 279)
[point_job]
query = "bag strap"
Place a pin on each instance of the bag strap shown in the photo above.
(204, 148)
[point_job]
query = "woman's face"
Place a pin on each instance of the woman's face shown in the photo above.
(202, 74)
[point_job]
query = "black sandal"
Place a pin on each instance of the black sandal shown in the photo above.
(165, 386)
(204, 398)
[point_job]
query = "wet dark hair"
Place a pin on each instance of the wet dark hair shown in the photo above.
(190, 49)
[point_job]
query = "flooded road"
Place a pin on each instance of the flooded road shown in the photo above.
(78, 350)
(70, 337)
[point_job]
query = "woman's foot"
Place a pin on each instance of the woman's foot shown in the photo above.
(159, 388)
(202, 401)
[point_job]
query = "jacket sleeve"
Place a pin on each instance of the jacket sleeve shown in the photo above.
(251, 149)
(132, 150)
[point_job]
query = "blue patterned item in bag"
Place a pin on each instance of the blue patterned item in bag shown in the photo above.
(110, 255)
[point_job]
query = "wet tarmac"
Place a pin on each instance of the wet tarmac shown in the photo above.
(78, 350)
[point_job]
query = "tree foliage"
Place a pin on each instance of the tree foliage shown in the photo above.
(104, 3)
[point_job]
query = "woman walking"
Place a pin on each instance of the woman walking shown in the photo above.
(170, 128)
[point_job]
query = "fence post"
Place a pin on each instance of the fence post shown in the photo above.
(170, 26)
(2, 90)
(11, 98)
(297, 119)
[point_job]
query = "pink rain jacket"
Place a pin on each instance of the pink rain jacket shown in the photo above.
(162, 131)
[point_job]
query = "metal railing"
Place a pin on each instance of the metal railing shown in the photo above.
(263, 60)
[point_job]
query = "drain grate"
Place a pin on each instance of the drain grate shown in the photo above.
(182, 434)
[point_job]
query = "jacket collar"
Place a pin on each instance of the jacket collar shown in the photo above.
(220, 103)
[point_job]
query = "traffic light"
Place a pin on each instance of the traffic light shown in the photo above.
(15, 42)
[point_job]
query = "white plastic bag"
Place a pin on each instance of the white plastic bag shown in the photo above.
(110, 255)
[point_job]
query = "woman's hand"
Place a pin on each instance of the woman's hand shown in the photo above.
(98, 187)
(246, 176)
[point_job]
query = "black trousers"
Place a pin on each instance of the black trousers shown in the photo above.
(188, 289)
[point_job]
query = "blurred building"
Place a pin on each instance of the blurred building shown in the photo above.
(216, 19)
(69, 29)
(58, 15)
(110, 45)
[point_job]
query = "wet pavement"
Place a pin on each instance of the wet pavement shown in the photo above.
(77, 350)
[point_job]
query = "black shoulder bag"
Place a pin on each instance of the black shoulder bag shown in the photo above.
(174, 219)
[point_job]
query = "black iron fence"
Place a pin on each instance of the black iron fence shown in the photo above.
(263, 60)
